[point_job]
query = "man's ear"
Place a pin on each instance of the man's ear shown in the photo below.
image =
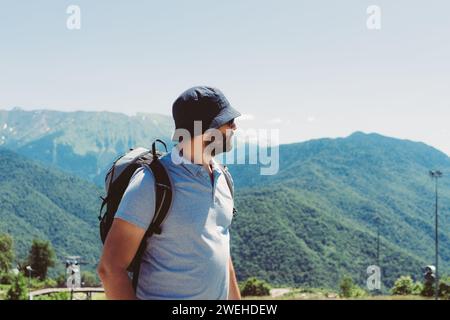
(197, 146)
(213, 141)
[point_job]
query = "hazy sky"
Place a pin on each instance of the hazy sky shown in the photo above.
(311, 68)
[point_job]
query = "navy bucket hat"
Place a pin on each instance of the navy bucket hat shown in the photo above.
(205, 104)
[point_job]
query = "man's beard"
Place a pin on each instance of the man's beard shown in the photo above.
(222, 147)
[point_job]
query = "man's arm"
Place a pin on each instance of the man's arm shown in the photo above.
(120, 247)
(234, 292)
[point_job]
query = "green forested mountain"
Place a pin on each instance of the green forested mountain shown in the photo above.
(36, 202)
(310, 224)
(83, 143)
(316, 220)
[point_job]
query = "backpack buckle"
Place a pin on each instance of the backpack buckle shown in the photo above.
(163, 186)
(154, 147)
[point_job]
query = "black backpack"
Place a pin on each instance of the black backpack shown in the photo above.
(116, 182)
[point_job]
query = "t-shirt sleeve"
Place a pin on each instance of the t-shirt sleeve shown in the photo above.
(138, 202)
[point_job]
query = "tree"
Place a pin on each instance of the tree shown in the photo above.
(18, 289)
(6, 253)
(428, 289)
(346, 287)
(444, 288)
(255, 287)
(61, 280)
(6, 278)
(89, 279)
(403, 286)
(40, 258)
(417, 288)
(350, 290)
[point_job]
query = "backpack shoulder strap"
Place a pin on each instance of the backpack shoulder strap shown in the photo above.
(163, 189)
(163, 196)
(228, 178)
(230, 184)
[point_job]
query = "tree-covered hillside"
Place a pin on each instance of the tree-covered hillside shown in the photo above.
(310, 224)
(42, 203)
(317, 218)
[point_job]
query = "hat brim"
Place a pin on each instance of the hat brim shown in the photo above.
(223, 117)
(227, 114)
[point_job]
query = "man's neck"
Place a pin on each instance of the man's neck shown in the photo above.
(191, 156)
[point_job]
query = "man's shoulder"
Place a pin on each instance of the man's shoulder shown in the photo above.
(142, 177)
(166, 159)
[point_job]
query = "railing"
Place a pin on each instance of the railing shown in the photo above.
(88, 291)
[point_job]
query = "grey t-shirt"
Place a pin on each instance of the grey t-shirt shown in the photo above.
(190, 258)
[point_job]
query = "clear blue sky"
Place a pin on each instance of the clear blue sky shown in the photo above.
(310, 68)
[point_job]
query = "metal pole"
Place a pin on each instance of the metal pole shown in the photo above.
(378, 243)
(29, 285)
(378, 250)
(437, 243)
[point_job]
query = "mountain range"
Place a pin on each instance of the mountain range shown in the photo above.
(313, 222)
(82, 143)
(318, 218)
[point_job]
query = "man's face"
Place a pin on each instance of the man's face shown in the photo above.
(226, 132)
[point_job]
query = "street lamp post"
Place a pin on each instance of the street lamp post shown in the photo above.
(29, 269)
(378, 221)
(436, 175)
(378, 242)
